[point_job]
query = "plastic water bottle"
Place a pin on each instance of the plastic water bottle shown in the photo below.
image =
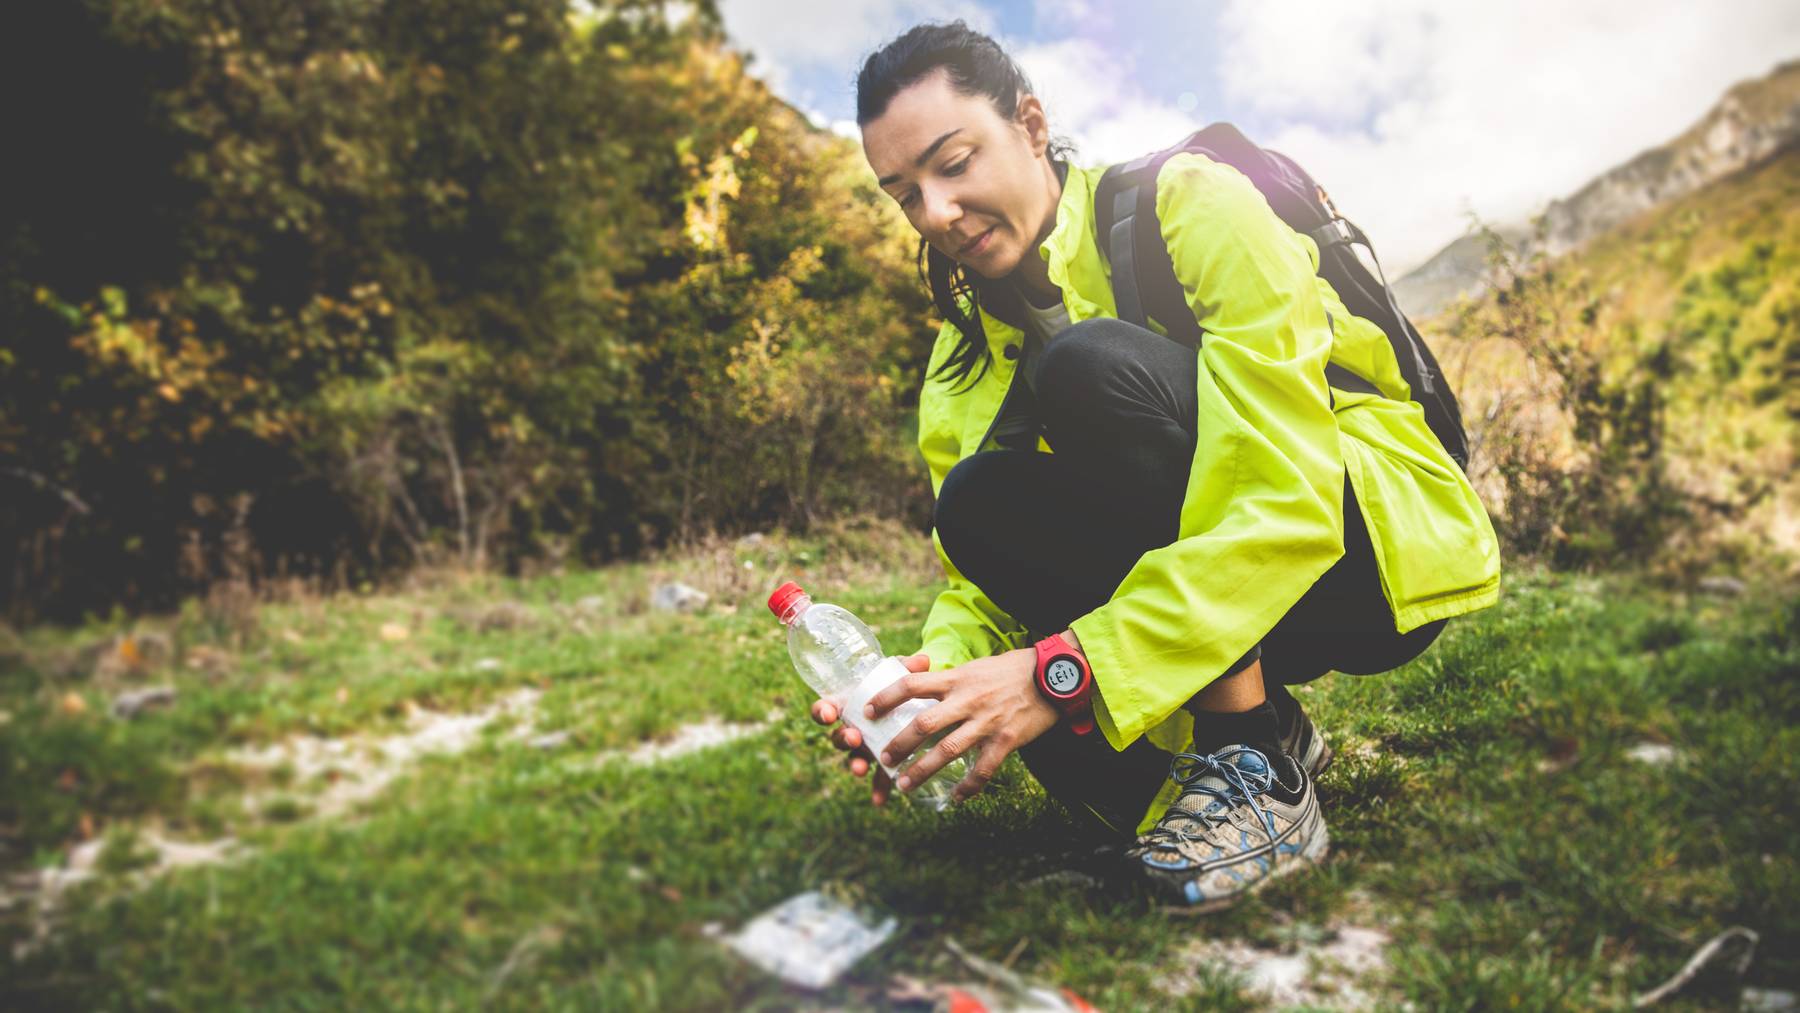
(838, 656)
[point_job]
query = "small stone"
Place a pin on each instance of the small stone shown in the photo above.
(1656, 754)
(677, 597)
(1768, 1000)
(488, 665)
(72, 704)
(1724, 587)
(754, 538)
(549, 741)
(394, 632)
(130, 705)
(507, 615)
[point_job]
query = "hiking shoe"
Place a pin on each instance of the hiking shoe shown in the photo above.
(1234, 828)
(1306, 743)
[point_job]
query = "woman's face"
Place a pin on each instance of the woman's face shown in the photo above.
(977, 187)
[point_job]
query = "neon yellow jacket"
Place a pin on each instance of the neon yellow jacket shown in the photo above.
(1263, 515)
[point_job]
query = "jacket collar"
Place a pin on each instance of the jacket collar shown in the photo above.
(1070, 256)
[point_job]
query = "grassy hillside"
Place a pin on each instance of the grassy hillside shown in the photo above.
(1690, 318)
(1551, 809)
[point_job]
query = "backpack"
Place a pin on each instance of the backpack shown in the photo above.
(1145, 286)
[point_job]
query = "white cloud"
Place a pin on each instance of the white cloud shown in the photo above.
(794, 37)
(1088, 91)
(1069, 15)
(1091, 99)
(1413, 112)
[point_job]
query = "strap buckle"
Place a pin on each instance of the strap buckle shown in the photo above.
(1333, 233)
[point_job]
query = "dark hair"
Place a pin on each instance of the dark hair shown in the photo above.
(975, 65)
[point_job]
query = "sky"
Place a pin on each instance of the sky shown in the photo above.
(1414, 114)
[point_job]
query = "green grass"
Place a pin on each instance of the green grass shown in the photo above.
(1483, 808)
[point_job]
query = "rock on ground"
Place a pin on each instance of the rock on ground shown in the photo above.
(130, 705)
(677, 597)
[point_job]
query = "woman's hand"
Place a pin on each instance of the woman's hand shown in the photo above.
(850, 740)
(995, 699)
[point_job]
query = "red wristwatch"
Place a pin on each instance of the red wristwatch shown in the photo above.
(1065, 679)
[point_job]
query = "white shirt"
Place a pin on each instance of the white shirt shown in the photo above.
(1047, 322)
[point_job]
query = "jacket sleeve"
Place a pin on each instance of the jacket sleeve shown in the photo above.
(963, 624)
(1262, 518)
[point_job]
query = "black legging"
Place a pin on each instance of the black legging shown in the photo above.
(1049, 537)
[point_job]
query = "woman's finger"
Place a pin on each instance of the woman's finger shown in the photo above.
(880, 787)
(920, 662)
(932, 721)
(824, 712)
(858, 766)
(847, 738)
(951, 746)
(992, 756)
(930, 685)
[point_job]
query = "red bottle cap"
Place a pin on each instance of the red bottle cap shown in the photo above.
(784, 596)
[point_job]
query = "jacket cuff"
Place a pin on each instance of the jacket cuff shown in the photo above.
(945, 654)
(1100, 643)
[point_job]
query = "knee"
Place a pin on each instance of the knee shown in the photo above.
(965, 497)
(1389, 651)
(1081, 355)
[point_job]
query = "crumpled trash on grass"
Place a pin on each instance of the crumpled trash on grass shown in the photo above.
(1006, 990)
(809, 939)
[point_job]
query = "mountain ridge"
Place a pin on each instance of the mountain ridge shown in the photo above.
(1753, 121)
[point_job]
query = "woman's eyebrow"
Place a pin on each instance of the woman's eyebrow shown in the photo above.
(923, 156)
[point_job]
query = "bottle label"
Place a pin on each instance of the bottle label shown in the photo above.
(878, 733)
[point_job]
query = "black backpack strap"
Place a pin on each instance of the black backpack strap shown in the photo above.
(1143, 273)
(1335, 238)
(1116, 207)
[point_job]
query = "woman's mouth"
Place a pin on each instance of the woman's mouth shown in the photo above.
(978, 244)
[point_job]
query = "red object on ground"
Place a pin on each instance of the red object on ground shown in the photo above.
(969, 1002)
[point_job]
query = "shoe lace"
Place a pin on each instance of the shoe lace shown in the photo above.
(1241, 787)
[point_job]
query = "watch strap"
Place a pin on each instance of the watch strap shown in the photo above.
(1076, 709)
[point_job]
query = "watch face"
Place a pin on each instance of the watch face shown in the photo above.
(1063, 676)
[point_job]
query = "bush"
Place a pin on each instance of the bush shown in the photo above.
(430, 282)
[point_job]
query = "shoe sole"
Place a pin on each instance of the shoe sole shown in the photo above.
(1311, 857)
(1320, 759)
(1314, 771)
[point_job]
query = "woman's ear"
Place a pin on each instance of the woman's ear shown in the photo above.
(1036, 125)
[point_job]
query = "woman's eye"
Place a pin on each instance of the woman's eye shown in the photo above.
(957, 169)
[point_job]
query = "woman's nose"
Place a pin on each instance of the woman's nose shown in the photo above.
(940, 210)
